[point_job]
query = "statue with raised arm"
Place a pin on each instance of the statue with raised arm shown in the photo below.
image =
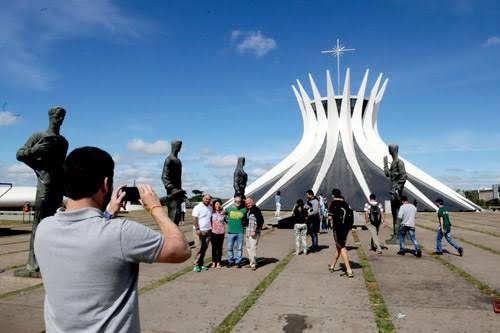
(397, 174)
(240, 179)
(172, 180)
(45, 153)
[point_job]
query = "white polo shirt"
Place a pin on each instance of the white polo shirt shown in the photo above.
(204, 215)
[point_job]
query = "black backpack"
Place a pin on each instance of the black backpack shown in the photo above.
(375, 215)
(348, 219)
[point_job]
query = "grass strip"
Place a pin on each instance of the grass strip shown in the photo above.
(379, 308)
(11, 294)
(483, 287)
(235, 316)
(489, 233)
(482, 247)
(162, 281)
(3, 269)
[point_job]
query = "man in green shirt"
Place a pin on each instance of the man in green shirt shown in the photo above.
(445, 230)
(236, 216)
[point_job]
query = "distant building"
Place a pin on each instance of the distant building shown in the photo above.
(485, 194)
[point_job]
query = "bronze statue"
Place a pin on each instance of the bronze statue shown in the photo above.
(172, 179)
(397, 175)
(45, 152)
(240, 178)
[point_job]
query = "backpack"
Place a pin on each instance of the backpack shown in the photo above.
(374, 214)
(348, 218)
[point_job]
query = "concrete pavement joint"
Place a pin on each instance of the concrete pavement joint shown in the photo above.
(13, 252)
(235, 316)
(11, 294)
(482, 247)
(490, 233)
(379, 308)
(483, 287)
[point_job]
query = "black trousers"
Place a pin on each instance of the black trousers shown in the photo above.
(217, 243)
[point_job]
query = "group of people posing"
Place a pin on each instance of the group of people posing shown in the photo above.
(244, 223)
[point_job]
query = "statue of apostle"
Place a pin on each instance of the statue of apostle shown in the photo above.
(45, 153)
(397, 175)
(240, 178)
(172, 180)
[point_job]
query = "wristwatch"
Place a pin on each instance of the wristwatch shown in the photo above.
(107, 215)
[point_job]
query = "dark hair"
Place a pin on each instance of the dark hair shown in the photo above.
(215, 201)
(336, 193)
(404, 198)
(84, 171)
(440, 201)
(278, 193)
(300, 202)
(373, 196)
(310, 192)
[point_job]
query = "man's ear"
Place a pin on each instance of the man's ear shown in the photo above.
(105, 185)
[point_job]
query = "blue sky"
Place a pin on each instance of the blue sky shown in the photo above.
(216, 74)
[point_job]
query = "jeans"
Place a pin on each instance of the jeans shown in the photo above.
(449, 238)
(314, 240)
(233, 239)
(402, 234)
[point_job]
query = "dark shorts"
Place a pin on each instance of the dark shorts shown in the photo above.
(340, 237)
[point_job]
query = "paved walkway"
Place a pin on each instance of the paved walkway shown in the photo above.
(422, 295)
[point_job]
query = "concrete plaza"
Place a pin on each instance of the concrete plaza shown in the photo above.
(448, 293)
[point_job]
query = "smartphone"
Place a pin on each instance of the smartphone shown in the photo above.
(131, 194)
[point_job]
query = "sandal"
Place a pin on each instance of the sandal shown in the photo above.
(350, 274)
(331, 268)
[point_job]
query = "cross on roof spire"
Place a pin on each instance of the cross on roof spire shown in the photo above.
(337, 52)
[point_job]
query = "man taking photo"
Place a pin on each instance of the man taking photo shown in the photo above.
(90, 261)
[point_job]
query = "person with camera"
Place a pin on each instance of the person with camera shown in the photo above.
(89, 260)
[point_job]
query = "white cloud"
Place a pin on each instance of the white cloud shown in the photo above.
(152, 148)
(235, 34)
(28, 33)
(18, 174)
(491, 41)
(257, 172)
(8, 118)
(207, 152)
(254, 42)
(224, 161)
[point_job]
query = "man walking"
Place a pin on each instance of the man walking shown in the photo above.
(444, 229)
(236, 214)
(202, 224)
(406, 216)
(90, 261)
(255, 221)
(374, 217)
(313, 219)
(342, 220)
